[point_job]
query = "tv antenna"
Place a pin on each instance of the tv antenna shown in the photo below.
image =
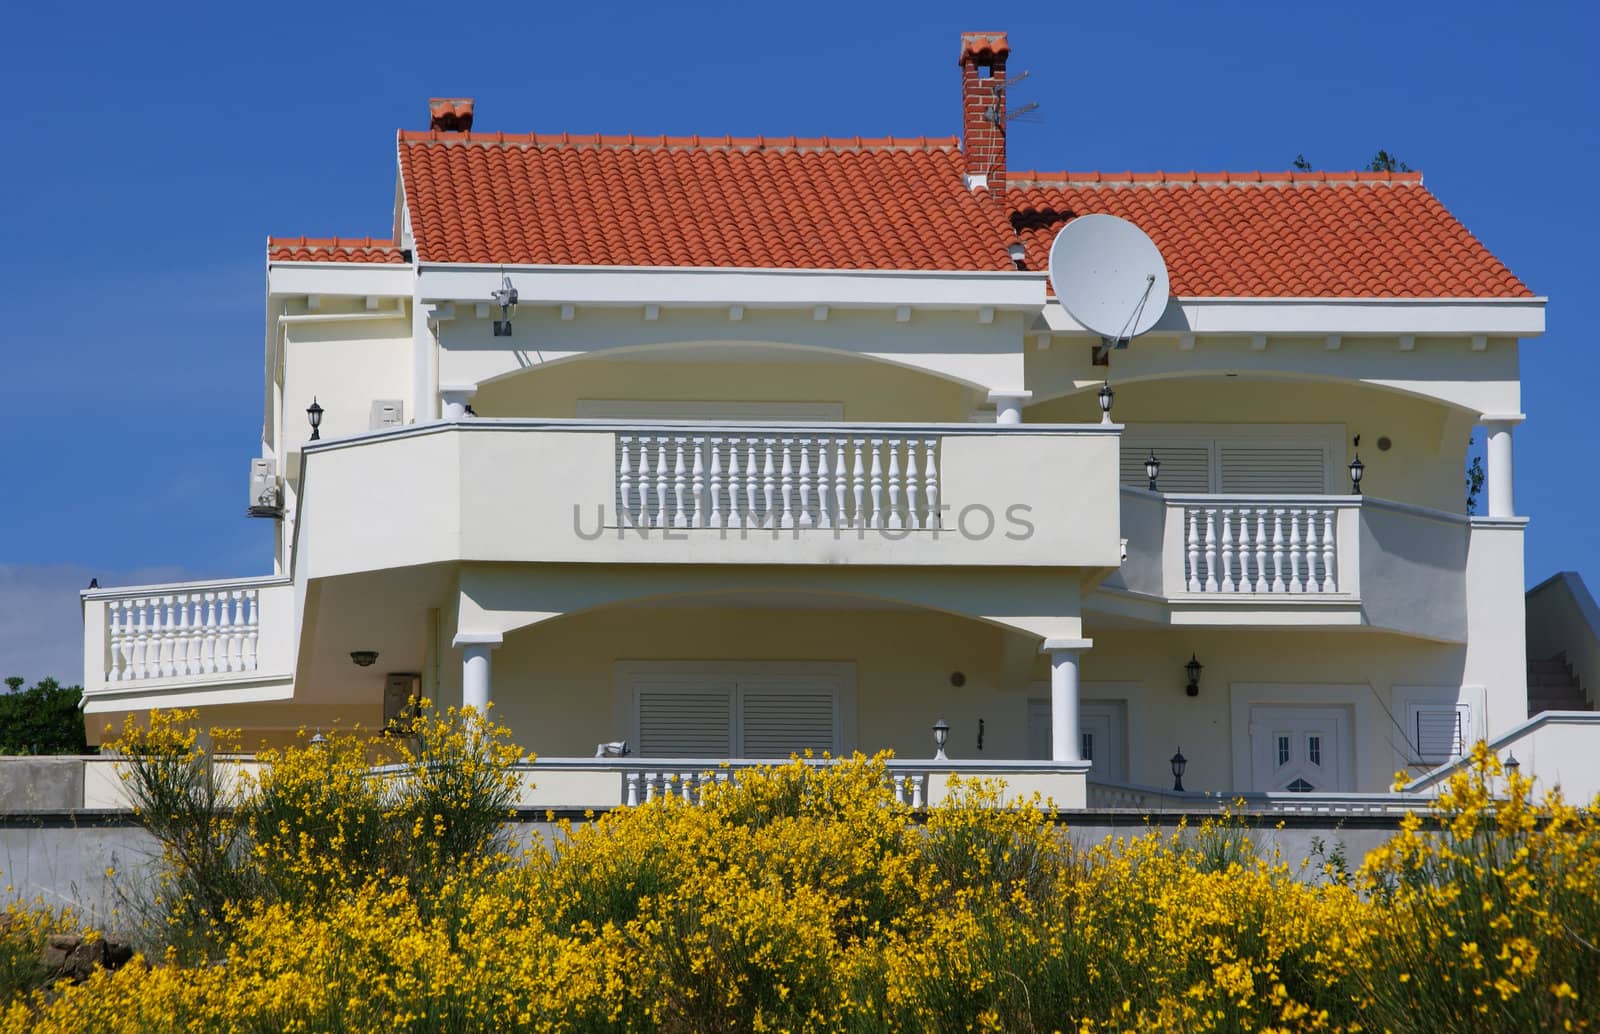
(1110, 277)
(999, 115)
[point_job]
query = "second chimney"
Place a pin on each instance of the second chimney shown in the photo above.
(983, 122)
(450, 114)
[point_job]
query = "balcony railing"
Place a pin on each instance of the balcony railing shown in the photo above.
(1261, 544)
(188, 633)
(1149, 799)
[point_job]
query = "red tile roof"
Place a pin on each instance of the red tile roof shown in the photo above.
(332, 249)
(1299, 234)
(899, 204)
(686, 201)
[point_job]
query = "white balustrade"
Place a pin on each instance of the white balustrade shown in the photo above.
(778, 480)
(182, 634)
(643, 782)
(1254, 547)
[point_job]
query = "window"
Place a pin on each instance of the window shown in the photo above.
(1087, 742)
(1283, 750)
(1236, 459)
(716, 710)
(1439, 731)
(1314, 749)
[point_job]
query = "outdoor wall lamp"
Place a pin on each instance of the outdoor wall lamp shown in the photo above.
(364, 658)
(1356, 469)
(506, 298)
(1193, 669)
(941, 736)
(1512, 764)
(314, 414)
(1152, 468)
(319, 740)
(1106, 396)
(1179, 763)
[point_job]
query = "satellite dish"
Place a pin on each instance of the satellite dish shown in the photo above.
(1109, 277)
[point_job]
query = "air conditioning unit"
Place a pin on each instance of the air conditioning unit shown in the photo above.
(386, 413)
(266, 498)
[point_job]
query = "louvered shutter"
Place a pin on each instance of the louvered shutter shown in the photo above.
(777, 723)
(1184, 468)
(1271, 469)
(689, 721)
(1439, 731)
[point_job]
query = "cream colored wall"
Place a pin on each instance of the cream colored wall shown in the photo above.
(345, 366)
(1424, 465)
(868, 391)
(553, 684)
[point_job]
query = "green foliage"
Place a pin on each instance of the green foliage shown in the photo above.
(1383, 161)
(41, 720)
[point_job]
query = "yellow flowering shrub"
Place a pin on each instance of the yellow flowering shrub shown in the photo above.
(805, 898)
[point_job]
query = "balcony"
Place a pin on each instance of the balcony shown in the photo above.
(600, 491)
(1252, 560)
(187, 644)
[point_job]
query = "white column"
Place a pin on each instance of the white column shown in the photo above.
(1065, 744)
(1497, 453)
(475, 647)
(1008, 405)
(456, 398)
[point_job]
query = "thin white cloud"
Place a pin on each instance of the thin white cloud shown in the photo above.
(41, 625)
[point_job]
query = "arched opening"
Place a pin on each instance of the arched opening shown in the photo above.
(728, 380)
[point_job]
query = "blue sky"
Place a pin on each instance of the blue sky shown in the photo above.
(153, 147)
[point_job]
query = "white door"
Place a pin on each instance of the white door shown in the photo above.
(1102, 735)
(1300, 749)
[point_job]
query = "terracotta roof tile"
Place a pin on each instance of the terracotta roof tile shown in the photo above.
(892, 203)
(332, 249)
(770, 202)
(1277, 234)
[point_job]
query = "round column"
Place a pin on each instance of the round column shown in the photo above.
(1008, 405)
(1065, 742)
(1498, 453)
(475, 649)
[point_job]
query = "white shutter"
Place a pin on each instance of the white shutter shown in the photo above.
(685, 721)
(779, 723)
(1271, 469)
(1184, 468)
(1439, 731)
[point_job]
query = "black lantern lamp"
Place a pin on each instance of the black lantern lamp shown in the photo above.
(1512, 764)
(506, 298)
(941, 736)
(319, 740)
(1106, 396)
(1356, 470)
(1193, 669)
(1179, 763)
(364, 658)
(1152, 468)
(314, 414)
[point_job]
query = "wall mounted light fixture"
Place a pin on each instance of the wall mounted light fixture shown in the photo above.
(314, 414)
(1193, 670)
(1179, 763)
(941, 736)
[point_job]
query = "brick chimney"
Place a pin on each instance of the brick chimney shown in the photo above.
(450, 114)
(983, 127)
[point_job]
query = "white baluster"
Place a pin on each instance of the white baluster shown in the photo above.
(208, 648)
(807, 518)
(1211, 551)
(896, 519)
(769, 486)
(680, 485)
(252, 630)
(824, 486)
(697, 486)
(716, 519)
(787, 482)
(913, 484)
(114, 639)
(877, 483)
(736, 485)
(178, 633)
(663, 478)
(841, 482)
(930, 482)
(859, 483)
(1262, 585)
(688, 782)
(631, 780)
(1193, 584)
(1329, 556)
(916, 789)
(752, 485)
(141, 639)
(224, 633)
(169, 638)
(1228, 584)
(625, 481)
(1295, 550)
(1313, 553)
(1277, 551)
(649, 787)
(236, 632)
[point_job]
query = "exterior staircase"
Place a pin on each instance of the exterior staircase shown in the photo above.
(1553, 687)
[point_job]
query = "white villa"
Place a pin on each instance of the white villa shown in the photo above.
(787, 445)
